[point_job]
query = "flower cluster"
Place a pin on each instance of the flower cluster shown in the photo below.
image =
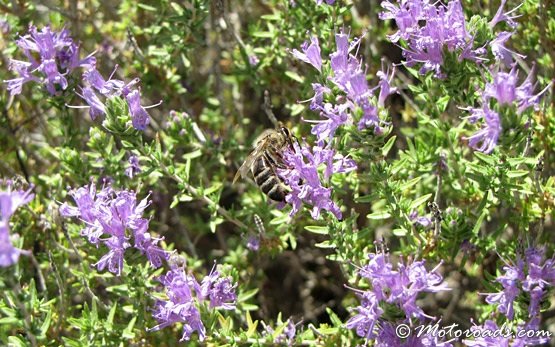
(531, 275)
(96, 85)
(185, 296)
(504, 90)
(429, 31)
(350, 77)
(301, 175)
(51, 57)
(108, 216)
(391, 291)
(10, 200)
(485, 338)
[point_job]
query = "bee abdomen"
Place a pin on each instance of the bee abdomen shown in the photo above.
(269, 183)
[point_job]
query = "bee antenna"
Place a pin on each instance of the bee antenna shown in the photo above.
(268, 109)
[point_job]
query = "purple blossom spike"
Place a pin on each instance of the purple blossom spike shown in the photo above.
(10, 201)
(501, 16)
(392, 289)
(139, 116)
(502, 53)
(310, 53)
(485, 139)
(532, 274)
(51, 55)
(180, 306)
(429, 31)
(303, 178)
(183, 305)
(113, 218)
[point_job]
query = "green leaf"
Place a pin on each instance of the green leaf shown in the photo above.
(128, 331)
(294, 76)
(419, 201)
(316, 229)
(379, 215)
(517, 173)
(400, 232)
(387, 147)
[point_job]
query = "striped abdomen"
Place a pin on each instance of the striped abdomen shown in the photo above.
(267, 180)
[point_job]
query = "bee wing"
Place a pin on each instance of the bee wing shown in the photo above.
(247, 165)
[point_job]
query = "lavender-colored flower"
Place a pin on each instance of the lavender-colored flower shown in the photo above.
(385, 85)
(253, 60)
(502, 53)
(406, 16)
(391, 288)
(112, 218)
(310, 53)
(253, 243)
(501, 16)
(317, 101)
(52, 56)
(485, 139)
(324, 129)
(134, 166)
(302, 177)
(139, 116)
(182, 305)
(10, 200)
(443, 28)
(113, 88)
(532, 275)
(220, 291)
(424, 221)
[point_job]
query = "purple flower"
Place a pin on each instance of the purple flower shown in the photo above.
(385, 85)
(10, 200)
(183, 306)
(253, 243)
(329, 2)
(253, 60)
(336, 115)
(134, 166)
(443, 28)
(302, 177)
(180, 306)
(113, 88)
(51, 57)
(113, 218)
(139, 116)
(502, 53)
(507, 16)
(489, 134)
(391, 289)
(406, 16)
(310, 53)
(220, 291)
(532, 275)
(424, 221)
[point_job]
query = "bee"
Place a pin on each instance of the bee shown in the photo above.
(265, 158)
